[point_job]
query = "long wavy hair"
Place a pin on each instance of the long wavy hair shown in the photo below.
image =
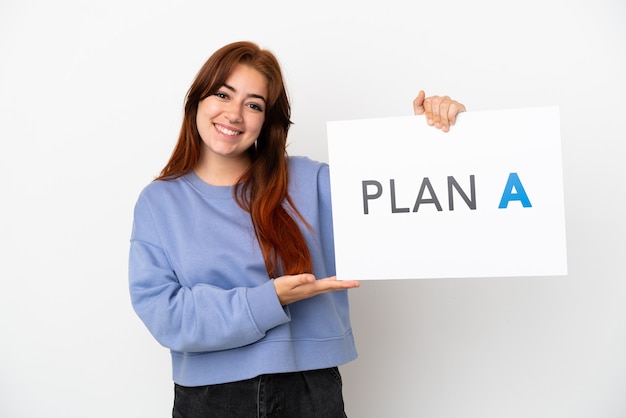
(262, 189)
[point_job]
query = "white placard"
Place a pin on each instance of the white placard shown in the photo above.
(483, 200)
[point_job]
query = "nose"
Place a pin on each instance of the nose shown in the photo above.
(233, 112)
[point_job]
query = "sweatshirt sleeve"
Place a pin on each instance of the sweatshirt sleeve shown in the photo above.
(199, 318)
(326, 218)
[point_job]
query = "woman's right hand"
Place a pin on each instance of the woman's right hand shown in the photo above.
(296, 287)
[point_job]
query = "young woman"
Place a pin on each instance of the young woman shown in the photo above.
(231, 257)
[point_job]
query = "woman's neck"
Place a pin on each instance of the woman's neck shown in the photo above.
(222, 171)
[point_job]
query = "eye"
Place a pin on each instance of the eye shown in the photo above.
(256, 107)
(221, 95)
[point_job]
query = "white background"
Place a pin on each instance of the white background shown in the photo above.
(91, 96)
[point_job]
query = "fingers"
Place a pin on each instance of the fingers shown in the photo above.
(440, 111)
(437, 112)
(418, 103)
(330, 284)
(453, 110)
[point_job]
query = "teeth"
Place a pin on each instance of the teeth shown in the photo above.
(226, 131)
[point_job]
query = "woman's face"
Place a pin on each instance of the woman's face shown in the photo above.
(230, 120)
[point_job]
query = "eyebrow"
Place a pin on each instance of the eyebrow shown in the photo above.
(253, 95)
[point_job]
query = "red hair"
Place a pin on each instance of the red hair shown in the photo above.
(262, 189)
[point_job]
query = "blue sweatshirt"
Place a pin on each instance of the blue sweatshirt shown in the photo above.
(198, 282)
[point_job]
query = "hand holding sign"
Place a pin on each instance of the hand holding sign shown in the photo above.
(440, 111)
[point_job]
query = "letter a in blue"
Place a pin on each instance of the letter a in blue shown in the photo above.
(514, 183)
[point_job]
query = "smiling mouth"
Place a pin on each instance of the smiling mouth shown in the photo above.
(226, 131)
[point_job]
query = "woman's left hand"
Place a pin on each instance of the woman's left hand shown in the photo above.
(440, 111)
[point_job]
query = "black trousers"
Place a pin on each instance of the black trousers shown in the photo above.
(309, 394)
